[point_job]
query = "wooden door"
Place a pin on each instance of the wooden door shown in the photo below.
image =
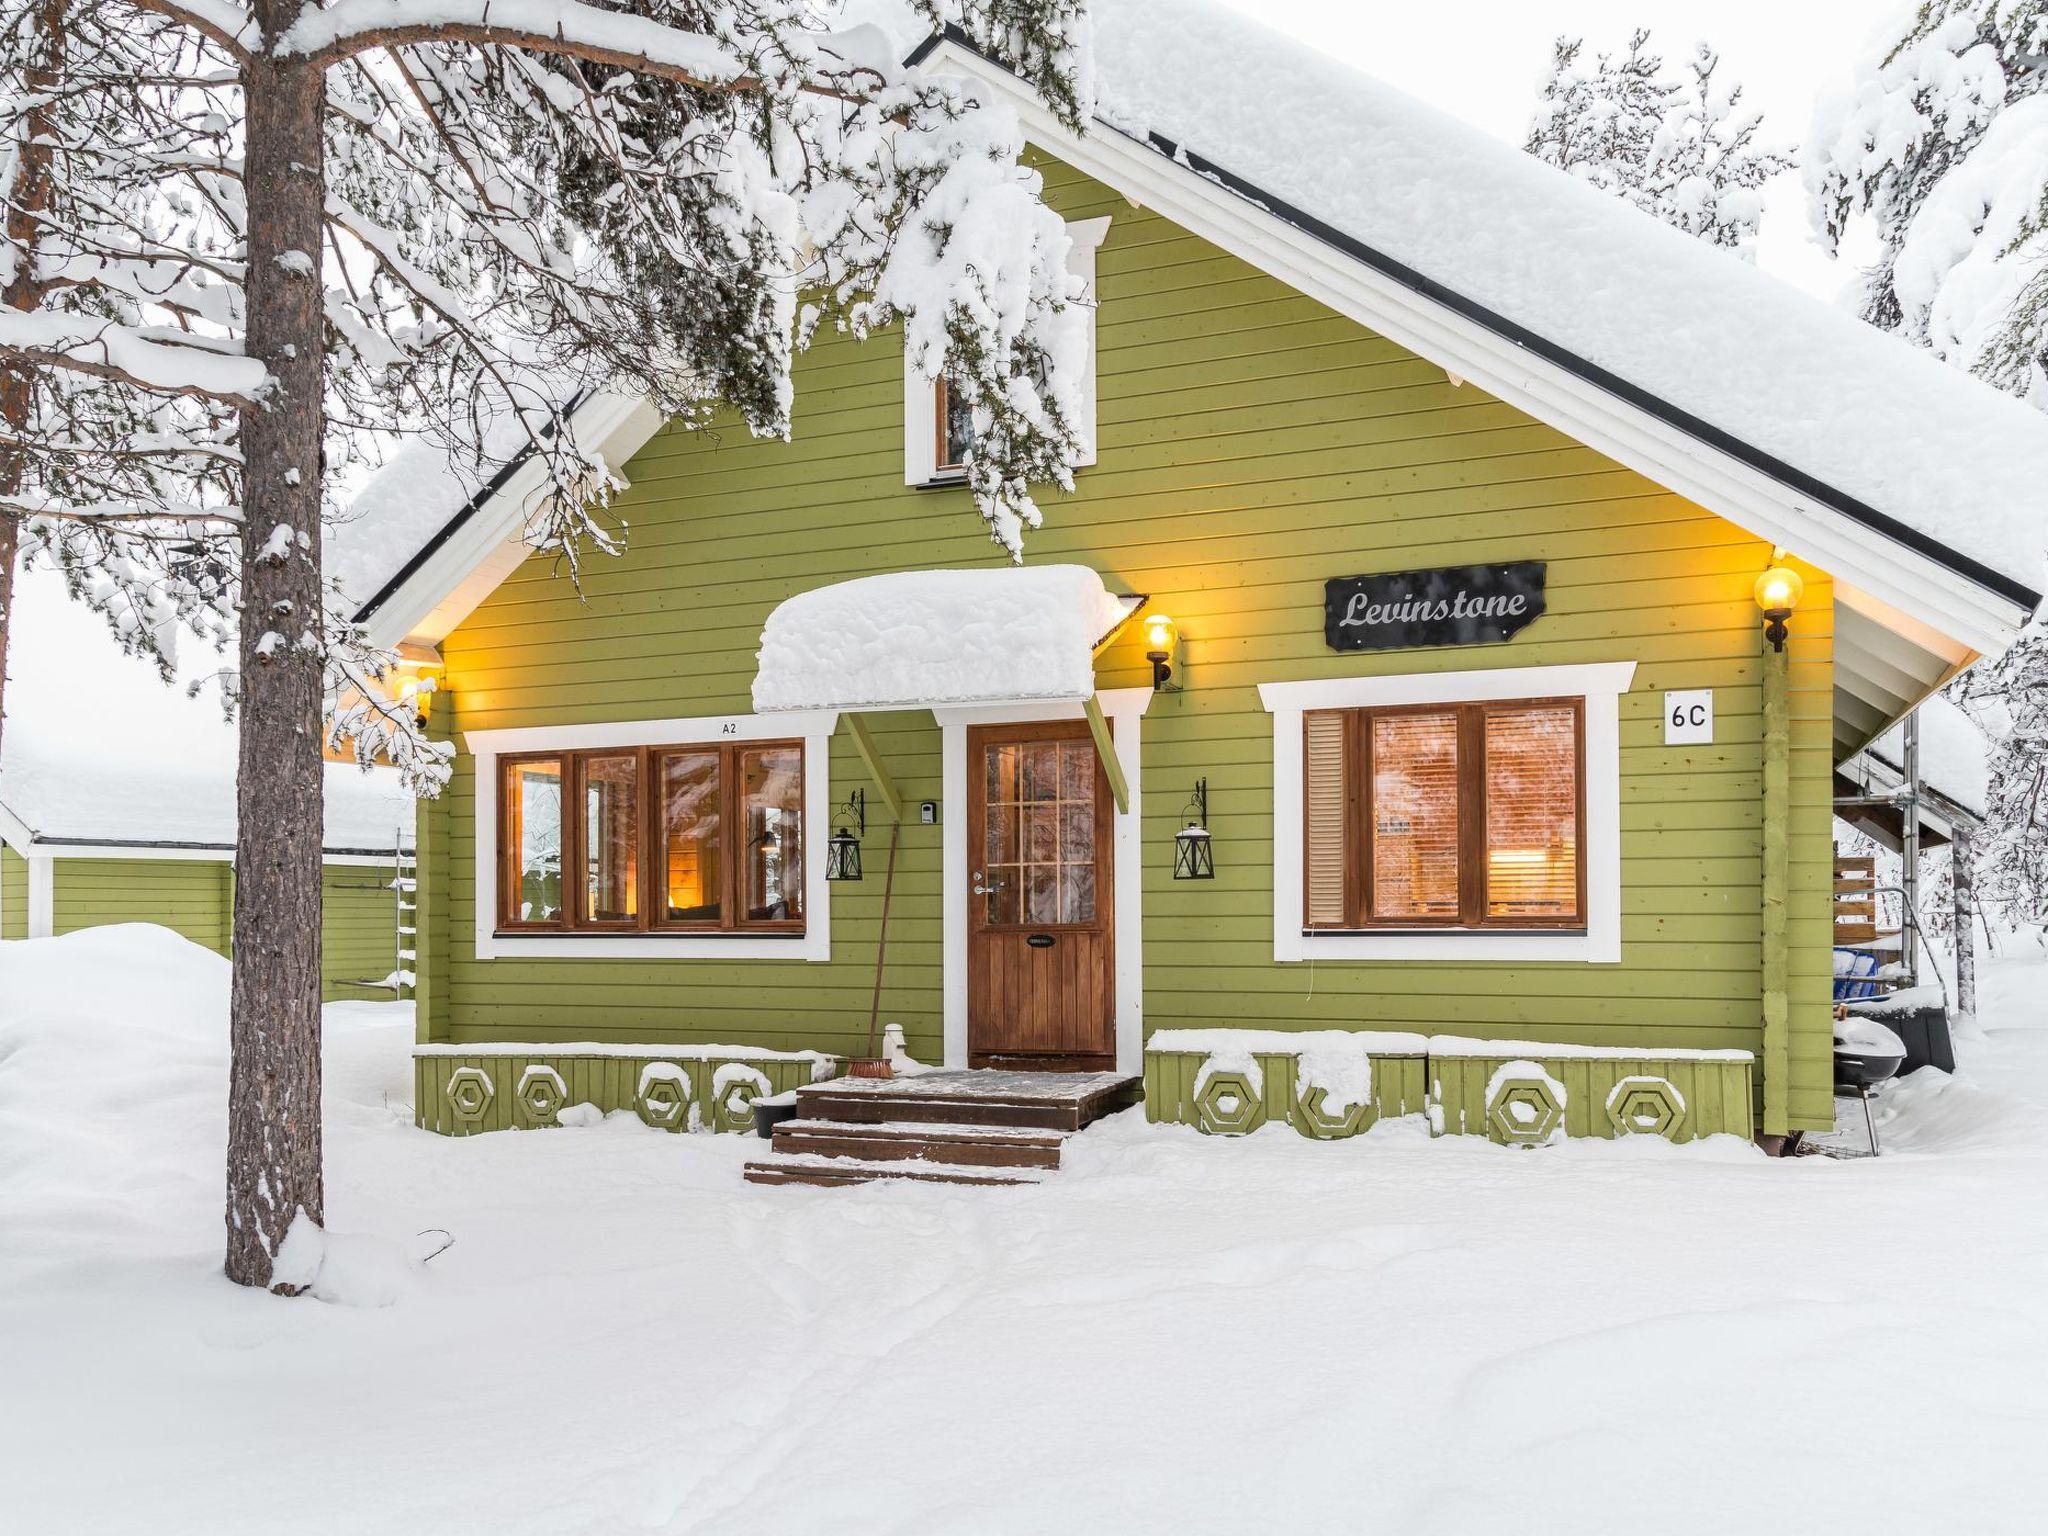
(1041, 904)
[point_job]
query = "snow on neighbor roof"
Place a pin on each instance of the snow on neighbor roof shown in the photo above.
(97, 749)
(917, 638)
(1869, 416)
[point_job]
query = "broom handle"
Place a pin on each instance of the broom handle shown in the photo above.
(882, 942)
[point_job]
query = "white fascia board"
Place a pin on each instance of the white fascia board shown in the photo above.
(218, 854)
(1745, 496)
(476, 557)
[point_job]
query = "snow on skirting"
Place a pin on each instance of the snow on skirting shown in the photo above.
(460, 1090)
(1332, 1084)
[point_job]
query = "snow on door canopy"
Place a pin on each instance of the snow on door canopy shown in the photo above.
(912, 639)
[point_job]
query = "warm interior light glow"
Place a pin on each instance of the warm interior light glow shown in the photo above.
(1160, 635)
(1778, 590)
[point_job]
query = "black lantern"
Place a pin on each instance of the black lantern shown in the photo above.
(842, 848)
(1193, 858)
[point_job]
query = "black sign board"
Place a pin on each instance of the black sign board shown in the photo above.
(1454, 605)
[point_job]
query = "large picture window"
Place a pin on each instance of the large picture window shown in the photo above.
(704, 839)
(1445, 816)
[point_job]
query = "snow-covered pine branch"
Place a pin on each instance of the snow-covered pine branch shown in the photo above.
(1940, 148)
(263, 239)
(1685, 150)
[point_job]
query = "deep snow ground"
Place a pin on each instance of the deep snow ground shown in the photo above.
(1174, 1334)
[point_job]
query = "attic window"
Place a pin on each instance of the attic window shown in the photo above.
(937, 427)
(952, 429)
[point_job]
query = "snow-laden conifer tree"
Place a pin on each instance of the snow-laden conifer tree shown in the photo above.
(1684, 149)
(243, 239)
(2008, 698)
(1940, 150)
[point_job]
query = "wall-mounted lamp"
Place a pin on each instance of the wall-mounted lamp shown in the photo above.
(1194, 858)
(1778, 592)
(1162, 639)
(418, 676)
(842, 848)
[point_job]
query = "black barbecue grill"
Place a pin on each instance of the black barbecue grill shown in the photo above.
(1866, 1055)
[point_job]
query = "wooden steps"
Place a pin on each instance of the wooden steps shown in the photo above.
(831, 1172)
(954, 1127)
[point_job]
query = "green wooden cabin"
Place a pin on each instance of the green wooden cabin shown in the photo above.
(1597, 846)
(195, 897)
(106, 836)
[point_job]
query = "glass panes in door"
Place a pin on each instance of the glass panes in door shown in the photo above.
(1038, 852)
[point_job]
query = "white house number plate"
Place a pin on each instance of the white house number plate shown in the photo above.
(1688, 717)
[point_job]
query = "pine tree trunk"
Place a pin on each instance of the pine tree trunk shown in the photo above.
(274, 1095)
(27, 197)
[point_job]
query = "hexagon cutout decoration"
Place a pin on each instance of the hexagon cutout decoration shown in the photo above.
(733, 1090)
(1646, 1106)
(1318, 1123)
(1228, 1103)
(470, 1091)
(1524, 1105)
(665, 1096)
(540, 1096)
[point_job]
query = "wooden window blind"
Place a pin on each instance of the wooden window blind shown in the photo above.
(1444, 816)
(1532, 813)
(1324, 853)
(639, 843)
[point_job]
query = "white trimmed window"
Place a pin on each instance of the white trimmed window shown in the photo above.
(937, 427)
(1466, 815)
(654, 839)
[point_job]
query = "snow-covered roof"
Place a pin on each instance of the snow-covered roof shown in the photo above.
(1874, 418)
(913, 639)
(1914, 484)
(99, 751)
(1954, 756)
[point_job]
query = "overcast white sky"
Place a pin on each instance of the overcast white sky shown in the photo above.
(1484, 60)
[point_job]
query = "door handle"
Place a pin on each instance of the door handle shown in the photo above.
(983, 886)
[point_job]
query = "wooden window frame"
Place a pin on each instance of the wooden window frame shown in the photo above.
(650, 919)
(1471, 916)
(942, 397)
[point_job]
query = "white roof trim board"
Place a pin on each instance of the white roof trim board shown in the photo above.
(915, 639)
(1675, 402)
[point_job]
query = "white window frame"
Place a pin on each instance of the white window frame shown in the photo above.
(920, 394)
(1598, 685)
(813, 726)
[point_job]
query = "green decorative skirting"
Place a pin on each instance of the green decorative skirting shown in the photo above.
(459, 1091)
(1246, 1090)
(1514, 1092)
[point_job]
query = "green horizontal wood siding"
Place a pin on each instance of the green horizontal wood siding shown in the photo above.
(1252, 444)
(358, 931)
(195, 897)
(189, 896)
(13, 894)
